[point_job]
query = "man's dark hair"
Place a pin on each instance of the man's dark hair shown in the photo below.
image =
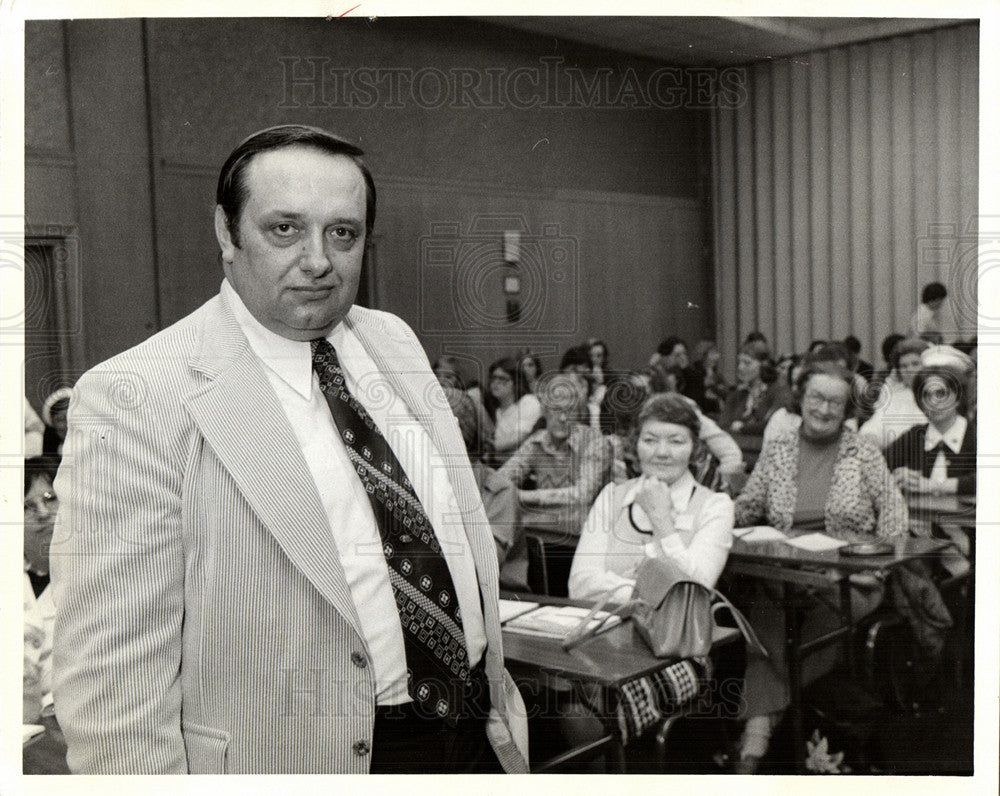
(932, 292)
(852, 343)
(232, 191)
(667, 346)
(37, 467)
(574, 357)
(889, 343)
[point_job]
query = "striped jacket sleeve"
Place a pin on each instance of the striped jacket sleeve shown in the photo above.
(118, 572)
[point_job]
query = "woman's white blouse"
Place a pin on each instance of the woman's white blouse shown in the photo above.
(514, 424)
(610, 547)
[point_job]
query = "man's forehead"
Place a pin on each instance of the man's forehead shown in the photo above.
(289, 168)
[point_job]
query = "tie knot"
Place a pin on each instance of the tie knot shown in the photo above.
(322, 349)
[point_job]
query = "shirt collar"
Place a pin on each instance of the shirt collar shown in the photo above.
(952, 437)
(291, 360)
(680, 492)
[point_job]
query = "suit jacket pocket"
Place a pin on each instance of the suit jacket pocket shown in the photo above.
(206, 749)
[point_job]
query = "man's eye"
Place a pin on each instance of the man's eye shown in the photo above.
(343, 233)
(283, 230)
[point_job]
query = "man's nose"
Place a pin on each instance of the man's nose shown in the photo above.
(315, 259)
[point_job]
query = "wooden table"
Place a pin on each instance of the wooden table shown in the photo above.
(608, 660)
(792, 567)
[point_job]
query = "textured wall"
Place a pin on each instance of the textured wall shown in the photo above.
(847, 182)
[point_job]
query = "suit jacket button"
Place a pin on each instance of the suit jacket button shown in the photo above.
(361, 748)
(359, 659)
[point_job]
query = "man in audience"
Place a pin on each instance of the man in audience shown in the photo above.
(865, 369)
(565, 464)
(273, 557)
(930, 317)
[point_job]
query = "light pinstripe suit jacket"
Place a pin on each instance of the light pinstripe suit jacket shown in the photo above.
(204, 623)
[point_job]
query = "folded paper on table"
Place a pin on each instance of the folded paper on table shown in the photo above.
(816, 542)
(511, 608)
(759, 533)
(556, 621)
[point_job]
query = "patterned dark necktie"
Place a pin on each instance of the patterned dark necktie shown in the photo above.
(436, 658)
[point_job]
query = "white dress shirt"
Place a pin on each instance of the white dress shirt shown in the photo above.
(610, 547)
(953, 438)
(288, 366)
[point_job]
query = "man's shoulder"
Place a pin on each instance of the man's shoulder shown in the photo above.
(365, 320)
(164, 356)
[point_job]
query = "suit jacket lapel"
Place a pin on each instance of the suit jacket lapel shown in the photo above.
(254, 441)
(400, 360)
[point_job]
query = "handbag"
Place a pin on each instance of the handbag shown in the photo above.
(673, 614)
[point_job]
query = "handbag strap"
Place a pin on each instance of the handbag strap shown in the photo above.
(583, 630)
(741, 622)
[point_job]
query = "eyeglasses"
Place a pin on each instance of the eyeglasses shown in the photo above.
(815, 400)
(937, 394)
(44, 504)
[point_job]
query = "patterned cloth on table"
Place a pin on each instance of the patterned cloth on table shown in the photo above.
(647, 701)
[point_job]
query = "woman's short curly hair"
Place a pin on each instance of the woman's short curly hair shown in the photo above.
(822, 367)
(669, 408)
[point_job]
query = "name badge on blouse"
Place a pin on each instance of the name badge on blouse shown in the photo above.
(684, 522)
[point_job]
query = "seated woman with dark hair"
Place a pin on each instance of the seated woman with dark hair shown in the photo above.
(757, 396)
(513, 410)
(938, 457)
(821, 477)
(662, 512)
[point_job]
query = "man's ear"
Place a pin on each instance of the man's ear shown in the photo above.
(222, 235)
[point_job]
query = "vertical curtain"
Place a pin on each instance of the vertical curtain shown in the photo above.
(845, 182)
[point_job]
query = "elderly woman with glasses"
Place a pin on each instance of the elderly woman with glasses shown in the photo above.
(939, 456)
(820, 477)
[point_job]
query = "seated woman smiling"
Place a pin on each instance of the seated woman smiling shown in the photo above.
(663, 512)
(821, 477)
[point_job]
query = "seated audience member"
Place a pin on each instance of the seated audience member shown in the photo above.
(498, 493)
(513, 410)
(34, 431)
(597, 350)
(672, 353)
(787, 419)
(531, 368)
(757, 340)
(54, 416)
(751, 404)
(822, 477)
(576, 362)
(623, 398)
(705, 369)
(565, 464)
(662, 512)
(448, 372)
(865, 369)
(896, 409)
(40, 508)
(716, 441)
(938, 456)
(929, 318)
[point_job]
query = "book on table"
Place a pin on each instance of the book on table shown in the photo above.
(557, 621)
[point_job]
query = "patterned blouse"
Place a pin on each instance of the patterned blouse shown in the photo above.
(863, 499)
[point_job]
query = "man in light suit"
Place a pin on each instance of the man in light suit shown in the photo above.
(224, 588)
